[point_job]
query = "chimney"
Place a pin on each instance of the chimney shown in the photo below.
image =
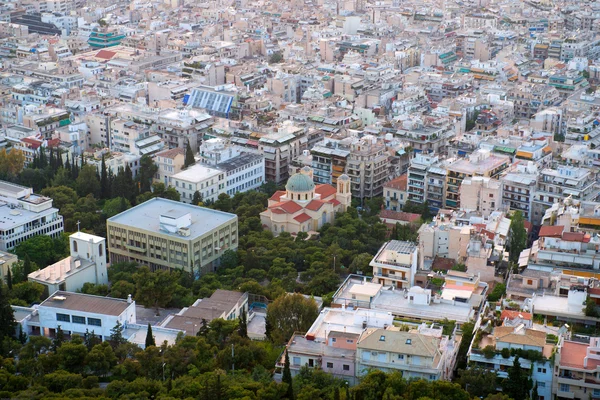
(129, 299)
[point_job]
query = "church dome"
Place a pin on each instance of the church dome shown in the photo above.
(300, 183)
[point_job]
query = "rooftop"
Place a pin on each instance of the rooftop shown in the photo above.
(86, 303)
(196, 173)
(145, 217)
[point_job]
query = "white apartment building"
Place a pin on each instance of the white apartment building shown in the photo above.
(209, 182)
(24, 215)
(244, 172)
(395, 264)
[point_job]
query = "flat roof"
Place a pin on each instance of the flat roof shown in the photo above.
(197, 173)
(87, 237)
(85, 303)
(146, 217)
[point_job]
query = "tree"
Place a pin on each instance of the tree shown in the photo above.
(591, 308)
(287, 377)
(243, 325)
(290, 313)
(9, 279)
(115, 206)
(189, 156)
(116, 335)
(497, 293)
(101, 359)
(146, 174)
(534, 393)
(87, 181)
(150, 337)
(72, 356)
(104, 188)
(7, 318)
(59, 338)
(41, 250)
(154, 289)
(518, 384)
(518, 237)
(276, 58)
(197, 199)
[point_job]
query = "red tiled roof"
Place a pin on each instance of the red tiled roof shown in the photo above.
(105, 54)
(277, 211)
(510, 314)
(289, 207)
(302, 217)
(277, 195)
(528, 226)
(442, 264)
(399, 215)
(53, 142)
(314, 205)
(576, 237)
(171, 153)
(551, 231)
(399, 183)
(335, 202)
(489, 234)
(325, 191)
(573, 354)
(34, 143)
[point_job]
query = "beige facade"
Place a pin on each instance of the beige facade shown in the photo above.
(304, 207)
(480, 194)
(167, 234)
(395, 264)
(169, 163)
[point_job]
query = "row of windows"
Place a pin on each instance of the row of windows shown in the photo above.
(78, 319)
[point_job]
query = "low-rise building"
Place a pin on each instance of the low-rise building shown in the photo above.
(169, 163)
(395, 193)
(209, 182)
(577, 365)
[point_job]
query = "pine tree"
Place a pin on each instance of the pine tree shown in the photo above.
(189, 156)
(7, 317)
(9, 279)
(149, 337)
(116, 334)
(287, 377)
(243, 325)
(103, 180)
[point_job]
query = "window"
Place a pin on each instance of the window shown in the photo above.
(78, 320)
(543, 384)
(63, 317)
(311, 362)
(332, 340)
(530, 282)
(400, 356)
(346, 367)
(329, 365)
(432, 377)
(94, 321)
(408, 341)
(350, 341)
(596, 391)
(296, 360)
(100, 250)
(74, 246)
(542, 370)
(382, 338)
(564, 387)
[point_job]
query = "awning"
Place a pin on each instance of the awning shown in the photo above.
(524, 154)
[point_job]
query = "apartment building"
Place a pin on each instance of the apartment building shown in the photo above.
(131, 137)
(422, 353)
(519, 187)
(24, 215)
(427, 181)
(395, 264)
(243, 172)
(167, 234)
(480, 163)
(558, 246)
(395, 194)
(169, 163)
(554, 184)
(577, 368)
(481, 194)
(279, 149)
(209, 182)
(530, 98)
(177, 128)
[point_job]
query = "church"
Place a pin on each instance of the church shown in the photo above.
(304, 206)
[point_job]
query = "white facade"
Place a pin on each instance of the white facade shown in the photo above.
(209, 182)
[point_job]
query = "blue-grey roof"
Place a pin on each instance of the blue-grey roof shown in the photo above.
(146, 216)
(300, 183)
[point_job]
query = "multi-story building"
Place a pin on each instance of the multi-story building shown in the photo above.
(209, 182)
(243, 172)
(24, 215)
(554, 184)
(395, 264)
(480, 163)
(559, 247)
(169, 163)
(167, 234)
(395, 194)
(7, 260)
(279, 149)
(215, 100)
(177, 128)
(530, 98)
(576, 369)
(427, 181)
(422, 353)
(518, 189)
(480, 194)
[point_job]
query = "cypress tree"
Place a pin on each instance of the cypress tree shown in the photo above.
(9, 279)
(27, 268)
(149, 337)
(103, 180)
(7, 317)
(68, 164)
(189, 156)
(287, 377)
(243, 325)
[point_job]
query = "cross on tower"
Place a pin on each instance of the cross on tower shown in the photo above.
(78, 222)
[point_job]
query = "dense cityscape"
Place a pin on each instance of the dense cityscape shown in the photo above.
(301, 200)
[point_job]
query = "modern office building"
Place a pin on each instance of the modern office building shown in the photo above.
(24, 214)
(167, 234)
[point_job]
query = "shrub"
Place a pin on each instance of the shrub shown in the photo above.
(489, 351)
(505, 352)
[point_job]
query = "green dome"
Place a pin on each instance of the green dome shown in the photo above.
(299, 183)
